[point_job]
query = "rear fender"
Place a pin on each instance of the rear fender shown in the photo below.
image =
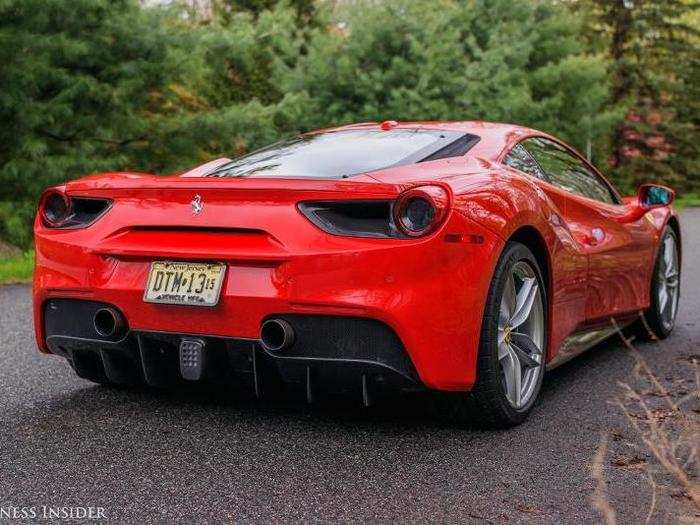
(505, 202)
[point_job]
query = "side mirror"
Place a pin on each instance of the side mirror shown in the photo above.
(649, 197)
(655, 196)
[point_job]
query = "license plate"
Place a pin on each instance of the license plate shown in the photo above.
(195, 284)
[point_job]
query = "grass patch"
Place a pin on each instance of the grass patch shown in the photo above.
(688, 200)
(17, 268)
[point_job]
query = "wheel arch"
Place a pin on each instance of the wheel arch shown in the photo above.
(674, 224)
(534, 240)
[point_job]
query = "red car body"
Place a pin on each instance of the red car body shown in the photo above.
(429, 290)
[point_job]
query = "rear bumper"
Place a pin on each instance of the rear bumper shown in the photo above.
(340, 354)
(429, 292)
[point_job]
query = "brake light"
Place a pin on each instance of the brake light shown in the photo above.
(59, 211)
(55, 208)
(420, 211)
(416, 212)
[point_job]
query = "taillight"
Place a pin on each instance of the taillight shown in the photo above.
(420, 211)
(416, 212)
(58, 210)
(55, 209)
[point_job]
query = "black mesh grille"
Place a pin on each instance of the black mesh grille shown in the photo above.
(330, 337)
(74, 318)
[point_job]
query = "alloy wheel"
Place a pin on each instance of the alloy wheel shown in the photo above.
(668, 276)
(521, 335)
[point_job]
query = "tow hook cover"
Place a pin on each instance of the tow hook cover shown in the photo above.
(192, 358)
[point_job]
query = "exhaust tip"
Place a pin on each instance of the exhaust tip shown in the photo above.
(276, 335)
(108, 322)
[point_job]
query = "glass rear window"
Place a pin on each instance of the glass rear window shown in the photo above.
(341, 153)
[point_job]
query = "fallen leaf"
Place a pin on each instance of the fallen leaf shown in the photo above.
(629, 462)
(527, 508)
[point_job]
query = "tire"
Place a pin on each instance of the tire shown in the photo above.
(660, 318)
(488, 403)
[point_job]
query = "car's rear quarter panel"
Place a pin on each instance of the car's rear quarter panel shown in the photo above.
(506, 202)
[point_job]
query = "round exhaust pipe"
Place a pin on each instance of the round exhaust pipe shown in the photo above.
(108, 322)
(276, 335)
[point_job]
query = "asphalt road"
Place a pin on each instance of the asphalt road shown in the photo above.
(200, 457)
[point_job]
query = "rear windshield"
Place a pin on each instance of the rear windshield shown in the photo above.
(342, 153)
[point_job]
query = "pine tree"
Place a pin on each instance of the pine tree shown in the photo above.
(80, 82)
(654, 59)
(521, 62)
(305, 10)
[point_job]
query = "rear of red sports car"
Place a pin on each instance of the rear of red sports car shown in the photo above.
(293, 265)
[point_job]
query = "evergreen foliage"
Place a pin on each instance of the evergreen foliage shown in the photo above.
(655, 70)
(84, 84)
(493, 60)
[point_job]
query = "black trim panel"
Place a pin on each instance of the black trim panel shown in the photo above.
(330, 354)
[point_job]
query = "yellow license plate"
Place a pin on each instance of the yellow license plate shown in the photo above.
(195, 284)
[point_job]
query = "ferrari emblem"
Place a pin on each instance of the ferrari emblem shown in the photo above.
(197, 205)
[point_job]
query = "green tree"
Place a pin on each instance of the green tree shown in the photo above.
(84, 87)
(305, 10)
(232, 89)
(522, 62)
(654, 58)
(243, 56)
(98, 85)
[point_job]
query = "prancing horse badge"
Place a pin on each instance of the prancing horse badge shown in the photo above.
(197, 205)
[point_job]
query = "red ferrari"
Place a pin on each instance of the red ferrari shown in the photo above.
(464, 258)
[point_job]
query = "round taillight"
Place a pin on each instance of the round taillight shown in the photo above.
(416, 215)
(56, 209)
(419, 211)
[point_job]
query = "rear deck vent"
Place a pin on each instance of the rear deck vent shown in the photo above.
(457, 148)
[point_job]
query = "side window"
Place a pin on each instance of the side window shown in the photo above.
(567, 171)
(519, 159)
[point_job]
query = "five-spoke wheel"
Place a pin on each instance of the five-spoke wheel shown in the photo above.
(669, 279)
(665, 288)
(521, 334)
